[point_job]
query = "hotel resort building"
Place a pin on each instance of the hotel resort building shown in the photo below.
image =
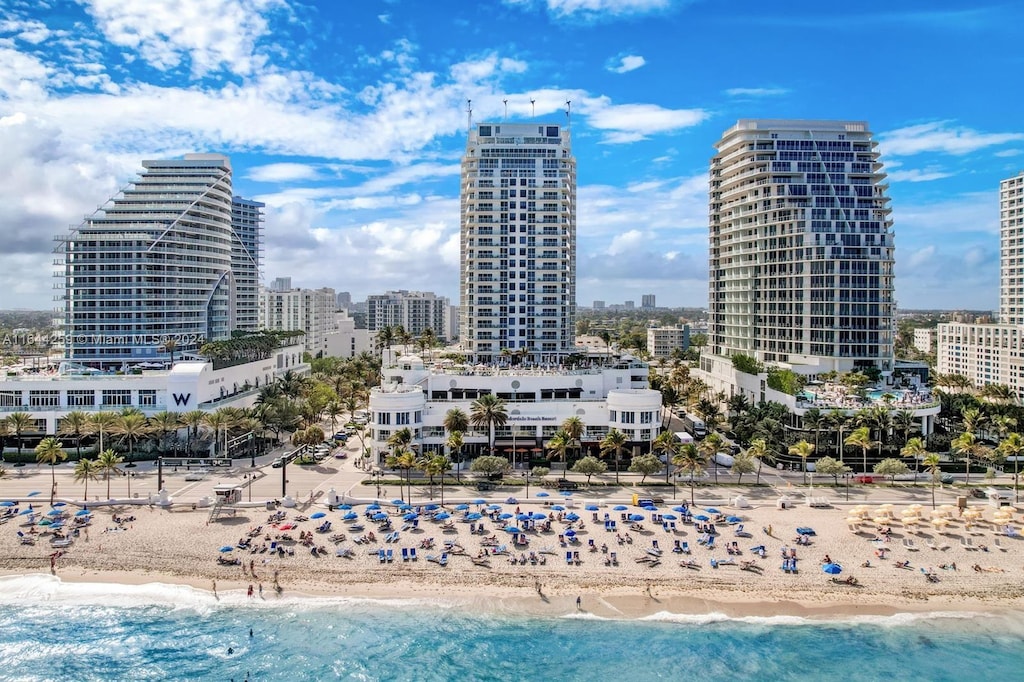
(518, 243)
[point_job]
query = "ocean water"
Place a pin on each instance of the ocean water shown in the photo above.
(56, 631)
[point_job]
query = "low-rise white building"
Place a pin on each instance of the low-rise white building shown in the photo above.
(189, 385)
(925, 339)
(416, 396)
(662, 341)
(344, 340)
(984, 353)
(307, 310)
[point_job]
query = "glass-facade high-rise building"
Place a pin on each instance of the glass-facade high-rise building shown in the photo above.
(518, 242)
(801, 246)
(163, 260)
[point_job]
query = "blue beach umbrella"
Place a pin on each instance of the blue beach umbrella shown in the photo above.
(227, 548)
(479, 500)
(506, 515)
(380, 516)
(523, 517)
(474, 516)
(345, 507)
(734, 519)
(558, 507)
(442, 516)
(373, 507)
(59, 504)
(317, 515)
(542, 494)
(494, 506)
(712, 510)
(461, 507)
(54, 512)
(649, 507)
(538, 516)
(7, 503)
(513, 529)
(670, 517)
(511, 500)
(832, 569)
(27, 511)
(404, 507)
(636, 517)
(566, 493)
(570, 533)
(591, 507)
(350, 516)
(701, 517)
(620, 507)
(572, 517)
(396, 501)
(83, 512)
(411, 516)
(432, 507)
(33, 493)
(680, 508)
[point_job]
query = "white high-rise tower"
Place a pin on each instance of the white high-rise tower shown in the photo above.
(518, 246)
(801, 247)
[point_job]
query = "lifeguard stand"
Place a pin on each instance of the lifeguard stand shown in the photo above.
(225, 494)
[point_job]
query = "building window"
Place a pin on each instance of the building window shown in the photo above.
(147, 398)
(645, 435)
(401, 419)
(384, 418)
(117, 398)
(43, 398)
(629, 417)
(81, 398)
(613, 415)
(646, 417)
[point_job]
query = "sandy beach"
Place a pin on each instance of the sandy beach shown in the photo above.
(181, 545)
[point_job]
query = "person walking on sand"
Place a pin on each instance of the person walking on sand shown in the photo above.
(579, 603)
(261, 590)
(214, 588)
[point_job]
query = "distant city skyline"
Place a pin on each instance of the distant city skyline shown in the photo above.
(348, 121)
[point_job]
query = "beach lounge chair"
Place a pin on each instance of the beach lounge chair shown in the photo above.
(998, 543)
(412, 554)
(677, 548)
(1011, 532)
(615, 558)
(444, 559)
(739, 530)
(929, 544)
(381, 556)
(804, 530)
(405, 554)
(672, 525)
(568, 558)
(391, 555)
(686, 547)
(711, 542)
(909, 545)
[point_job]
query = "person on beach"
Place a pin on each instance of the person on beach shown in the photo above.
(261, 590)
(250, 591)
(214, 588)
(579, 603)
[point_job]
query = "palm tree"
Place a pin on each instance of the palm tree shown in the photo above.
(75, 424)
(1013, 446)
(861, 437)
(905, 423)
(334, 410)
(107, 463)
(803, 450)
(131, 427)
(488, 411)
(814, 419)
(50, 451)
(838, 420)
(170, 345)
(559, 445)
(383, 339)
(968, 445)
(86, 470)
(760, 451)
(5, 430)
(915, 448)
(709, 447)
(436, 466)
(575, 428)
(973, 419)
(164, 423)
(690, 461)
(102, 423)
(455, 420)
(931, 463)
(454, 444)
(217, 422)
(19, 422)
(667, 445)
(613, 444)
(192, 420)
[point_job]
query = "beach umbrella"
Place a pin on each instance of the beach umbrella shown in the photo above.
(345, 507)
(461, 507)
(379, 516)
(620, 507)
(373, 507)
(59, 504)
(591, 507)
(54, 512)
(442, 516)
(317, 515)
(494, 506)
(479, 501)
(432, 507)
(506, 515)
(636, 517)
(558, 507)
(649, 507)
(669, 517)
(404, 507)
(350, 516)
(33, 493)
(570, 533)
(83, 512)
(832, 569)
(712, 510)
(542, 494)
(227, 548)
(411, 516)
(513, 529)
(397, 501)
(511, 500)
(7, 503)
(45, 522)
(474, 516)
(733, 519)
(566, 493)
(680, 509)
(853, 519)
(26, 511)
(572, 517)
(702, 517)
(538, 516)
(57, 524)
(287, 526)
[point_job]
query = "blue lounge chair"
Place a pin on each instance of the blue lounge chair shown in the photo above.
(405, 554)
(391, 555)
(711, 542)
(686, 547)
(568, 558)
(381, 556)
(805, 531)
(412, 554)
(444, 559)
(672, 525)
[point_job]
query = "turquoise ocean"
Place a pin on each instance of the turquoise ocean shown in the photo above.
(51, 630)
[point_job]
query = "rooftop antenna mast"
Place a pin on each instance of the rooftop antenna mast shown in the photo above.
(533, 107)
(568, 113)
(506, 109)
(469, 114)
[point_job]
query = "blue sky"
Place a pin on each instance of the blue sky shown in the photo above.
(348, 119)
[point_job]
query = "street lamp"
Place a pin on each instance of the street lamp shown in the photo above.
(527, 484)
(376, 477)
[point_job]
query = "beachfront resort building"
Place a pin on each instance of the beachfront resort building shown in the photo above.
(173, 256)
(994, 353)
(663, 341)
(414, 311)
(417, 396)
(49, 394)
(518, 242)
(925, 339)
(306, 310)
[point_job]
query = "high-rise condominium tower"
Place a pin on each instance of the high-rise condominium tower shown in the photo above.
(159, 263)
(801, 247)
(518, 246)
(1011, 250)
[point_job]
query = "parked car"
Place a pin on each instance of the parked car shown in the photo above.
(277, 463)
